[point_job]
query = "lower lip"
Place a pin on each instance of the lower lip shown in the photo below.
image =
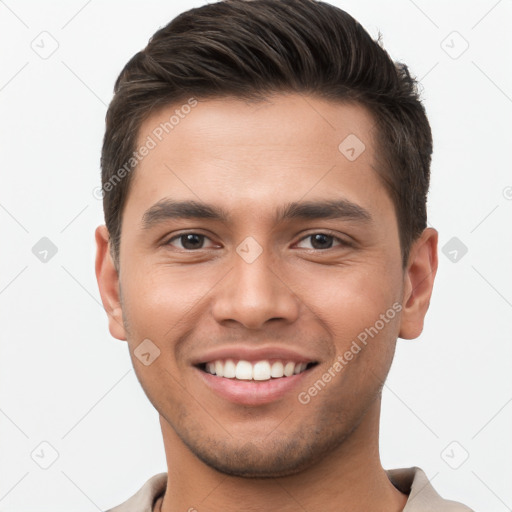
(250, 392)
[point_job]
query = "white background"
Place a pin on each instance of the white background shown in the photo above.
(65, 381)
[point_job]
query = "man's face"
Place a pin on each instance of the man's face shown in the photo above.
(253, 280)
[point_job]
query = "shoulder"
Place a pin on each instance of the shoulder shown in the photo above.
(144, 498)
(422, 495)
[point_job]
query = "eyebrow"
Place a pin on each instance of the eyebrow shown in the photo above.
(167, 209)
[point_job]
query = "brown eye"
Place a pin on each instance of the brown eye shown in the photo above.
(189, 241)
(321, 241)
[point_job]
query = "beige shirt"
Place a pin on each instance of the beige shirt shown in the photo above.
(411, 481)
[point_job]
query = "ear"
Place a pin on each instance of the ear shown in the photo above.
(108, 283)
(418, 283)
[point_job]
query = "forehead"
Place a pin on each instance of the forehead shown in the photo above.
(254, 155)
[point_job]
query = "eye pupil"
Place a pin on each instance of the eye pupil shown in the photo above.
(191, 237)
(321, 238)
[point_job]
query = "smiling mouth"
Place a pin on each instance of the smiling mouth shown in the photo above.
(263, 370)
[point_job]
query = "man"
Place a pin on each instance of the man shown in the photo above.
(265, 170)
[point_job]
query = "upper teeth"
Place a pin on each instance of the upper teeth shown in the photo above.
(261, 370)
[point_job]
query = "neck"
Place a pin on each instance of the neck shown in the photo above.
(350, 478)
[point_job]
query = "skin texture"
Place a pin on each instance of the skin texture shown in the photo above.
(251, 158)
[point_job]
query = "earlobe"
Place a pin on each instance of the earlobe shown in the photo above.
(108, 284)
(418, 283)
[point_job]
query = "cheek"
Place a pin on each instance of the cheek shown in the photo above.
(157, 299)
(349, 301)
(361, 313)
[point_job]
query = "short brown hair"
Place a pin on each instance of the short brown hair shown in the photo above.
(249, 49)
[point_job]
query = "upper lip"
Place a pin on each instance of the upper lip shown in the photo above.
(253, 354)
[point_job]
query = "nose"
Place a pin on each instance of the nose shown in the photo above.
(254, 293)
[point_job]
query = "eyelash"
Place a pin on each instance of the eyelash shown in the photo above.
(342, 242)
